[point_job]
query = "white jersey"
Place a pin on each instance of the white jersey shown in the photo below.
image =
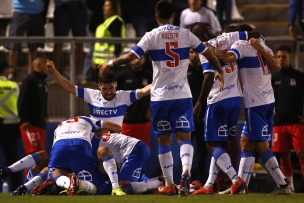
(120, 145)
(231, 83)
(203, 15)
(255, 74)
(100, 108)
(169, 47)
(80, 127)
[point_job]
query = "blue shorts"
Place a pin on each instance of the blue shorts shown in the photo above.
(172, 116)
(75, 155)
(131, 168)
(221, 120)
(258, 125)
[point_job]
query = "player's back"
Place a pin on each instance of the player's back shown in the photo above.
(76, 128)
(231, 82)
(169, 47)
(255, 74)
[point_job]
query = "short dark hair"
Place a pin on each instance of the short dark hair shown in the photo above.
(202, 31)
(245, 27)
(107, 76)
(285, 48)
(164, 9)
(231, 28)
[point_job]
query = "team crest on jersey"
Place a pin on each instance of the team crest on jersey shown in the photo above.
(182, 122)
(106, 137)
(85, 175)
(163, 125)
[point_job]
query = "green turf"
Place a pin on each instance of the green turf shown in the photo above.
(251, 198)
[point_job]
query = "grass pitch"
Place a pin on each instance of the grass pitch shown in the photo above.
(251, 198)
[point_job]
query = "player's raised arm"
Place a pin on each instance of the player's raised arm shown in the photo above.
(123, 59)
(63, 82)
(271, 61)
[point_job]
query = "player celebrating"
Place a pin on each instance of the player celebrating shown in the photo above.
(171, 102)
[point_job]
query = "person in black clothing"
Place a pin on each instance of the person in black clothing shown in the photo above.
(136, 122)
(195, 79)
(288, 130)
(32, 106)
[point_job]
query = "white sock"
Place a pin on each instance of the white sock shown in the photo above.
(87, 187)
(213, 171)
(245, 168)
(36, 180)
(186, 155)
(224, 162)
(272, 166)
(63, 181)
(166, 164)
(25, 162)
(111, 169)
(141, 187)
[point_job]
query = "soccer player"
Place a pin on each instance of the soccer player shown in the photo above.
(259, 106)
(130, 154)
(106, 103)
(171, 103)
(72, 151)
(223, 108)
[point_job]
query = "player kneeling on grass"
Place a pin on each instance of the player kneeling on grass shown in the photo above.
(131, 155)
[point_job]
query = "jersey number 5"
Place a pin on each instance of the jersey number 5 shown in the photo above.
(172, 54)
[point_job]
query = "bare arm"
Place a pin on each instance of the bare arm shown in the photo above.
(216, 64)
(112, 127)
(145, 91)
(202, 99)
(271, 61)
(63, 82)
(123, 59)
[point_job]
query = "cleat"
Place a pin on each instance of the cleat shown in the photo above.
(63, 192)
(225, 192)
(204, 191)
(20, 191)
(196, 184)
(118, 191)
(184, 188)
(283, 189)
(238, 186)
(167, 190)
(74, 184)
(42, 188)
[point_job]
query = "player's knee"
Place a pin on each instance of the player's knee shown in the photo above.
(245, 144)
(43, 155)
(103, 152)
(301, 155)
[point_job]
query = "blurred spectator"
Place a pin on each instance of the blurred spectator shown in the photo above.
(295, 12)
(143, 16)
(113, 26)
(136, 121)
(224, 7)
(32, 107)
(198, 13)
(5, 16)
(96, 18)
(9, 121)
(70, 15)
(28, 19)
(288, 130)
(195, 79)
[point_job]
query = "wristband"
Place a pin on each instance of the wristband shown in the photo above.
(110, 63)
